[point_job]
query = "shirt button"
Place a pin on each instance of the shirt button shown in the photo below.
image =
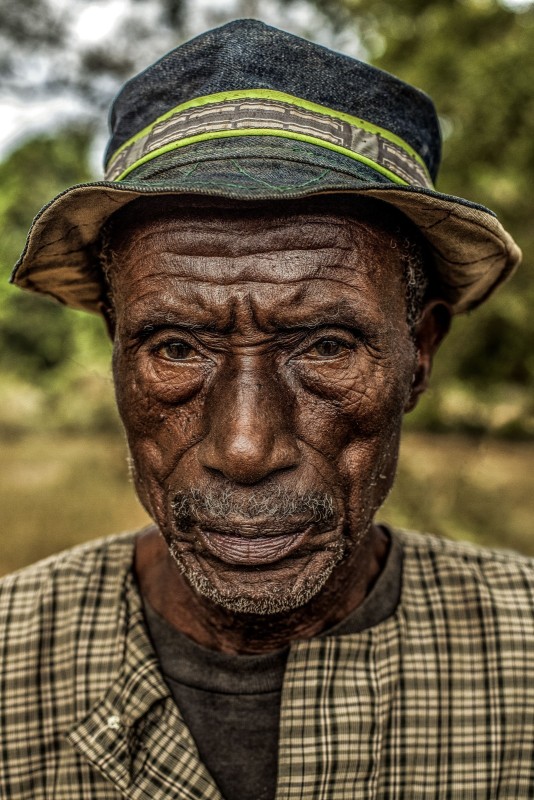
(114, 722)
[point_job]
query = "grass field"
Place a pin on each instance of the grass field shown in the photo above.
(58, 490)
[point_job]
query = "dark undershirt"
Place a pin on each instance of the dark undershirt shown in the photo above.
(231, 704)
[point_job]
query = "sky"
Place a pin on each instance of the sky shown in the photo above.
(22, 118)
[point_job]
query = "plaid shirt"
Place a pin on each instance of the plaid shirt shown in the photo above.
(435, 702)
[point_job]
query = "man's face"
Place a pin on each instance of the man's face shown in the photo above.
(262, 364)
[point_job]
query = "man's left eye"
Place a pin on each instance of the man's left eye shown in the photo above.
(328, 348)
(176, 351)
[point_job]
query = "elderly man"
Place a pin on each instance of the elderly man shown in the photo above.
(276, 272)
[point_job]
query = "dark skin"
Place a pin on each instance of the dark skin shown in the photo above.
(262, 353)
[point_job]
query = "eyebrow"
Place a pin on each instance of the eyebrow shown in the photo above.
(150, 328)
(159, 319)
(342, 312)
(284, 320)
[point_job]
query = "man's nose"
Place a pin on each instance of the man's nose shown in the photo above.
(249, 433)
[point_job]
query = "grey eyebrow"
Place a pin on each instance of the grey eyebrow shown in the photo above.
(169, 321)
(340, 313)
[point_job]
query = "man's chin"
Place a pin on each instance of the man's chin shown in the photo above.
(261, 593)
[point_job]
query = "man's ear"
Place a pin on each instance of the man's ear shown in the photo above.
(432, 327)
(109, 318)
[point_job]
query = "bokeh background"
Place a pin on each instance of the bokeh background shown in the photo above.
(468, 454)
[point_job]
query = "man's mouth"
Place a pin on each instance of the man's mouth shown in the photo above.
(252, 550)
(261, 528)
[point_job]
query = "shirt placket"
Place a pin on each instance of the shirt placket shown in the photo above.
(335, 701)
(134, 735)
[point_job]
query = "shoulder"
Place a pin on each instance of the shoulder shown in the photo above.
(447, 556)
(468, 583)
(62, 626)
(62, 639)
(63, 581)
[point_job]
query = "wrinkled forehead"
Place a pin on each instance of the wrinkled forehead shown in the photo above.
(213, 259)
(333, 218)
(289, 240)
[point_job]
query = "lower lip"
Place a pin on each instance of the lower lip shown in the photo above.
(252, 551)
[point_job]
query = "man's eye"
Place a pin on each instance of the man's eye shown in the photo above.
(176, 351)
(328, 348)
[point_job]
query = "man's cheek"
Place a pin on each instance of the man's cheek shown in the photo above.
(367, 416)
(145, 464)
(367, 469)
(155, 456)
(159, 436)
(139, 412)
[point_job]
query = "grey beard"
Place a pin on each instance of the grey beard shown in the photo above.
(273, 505)
(284, 599)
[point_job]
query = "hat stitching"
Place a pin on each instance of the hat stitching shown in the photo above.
(279, 187)
(394, 176)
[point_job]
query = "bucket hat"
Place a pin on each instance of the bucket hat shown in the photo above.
(249, 112)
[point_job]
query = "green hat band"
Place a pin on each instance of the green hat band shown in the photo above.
(263, 112)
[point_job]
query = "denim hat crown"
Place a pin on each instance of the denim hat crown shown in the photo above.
(250, 54)
(248, 112)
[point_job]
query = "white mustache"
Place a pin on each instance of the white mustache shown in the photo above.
(261, 506)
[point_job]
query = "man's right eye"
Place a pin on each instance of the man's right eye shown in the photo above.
(175, 351)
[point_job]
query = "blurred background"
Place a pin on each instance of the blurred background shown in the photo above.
(468, 455)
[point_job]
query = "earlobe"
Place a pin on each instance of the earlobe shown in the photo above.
(431, 329)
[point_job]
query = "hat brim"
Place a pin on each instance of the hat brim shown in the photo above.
(473, 253)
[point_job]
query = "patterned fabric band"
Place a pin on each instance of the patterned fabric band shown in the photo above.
(262, 112)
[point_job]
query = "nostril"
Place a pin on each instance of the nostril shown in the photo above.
(216, 473)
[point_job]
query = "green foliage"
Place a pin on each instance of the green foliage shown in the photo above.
(36, 337)
(46, 350)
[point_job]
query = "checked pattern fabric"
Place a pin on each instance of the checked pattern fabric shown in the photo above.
(436, 702)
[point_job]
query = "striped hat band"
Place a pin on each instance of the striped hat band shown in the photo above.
(257, 112)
